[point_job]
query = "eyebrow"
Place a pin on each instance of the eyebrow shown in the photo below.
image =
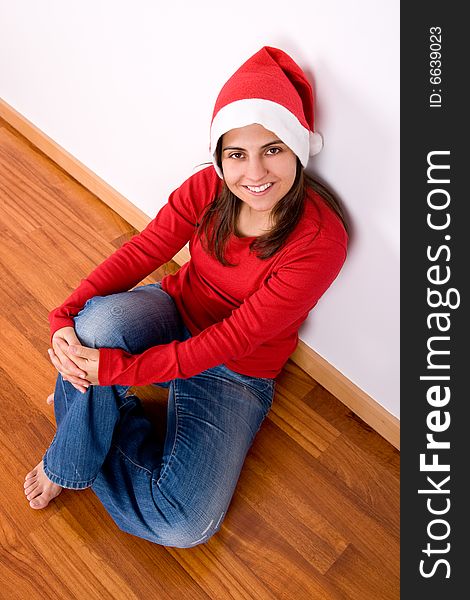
(263, 146)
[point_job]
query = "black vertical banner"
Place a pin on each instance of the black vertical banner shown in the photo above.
(435, 357)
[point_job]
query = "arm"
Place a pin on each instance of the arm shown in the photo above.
(284, 299)
(163, 237)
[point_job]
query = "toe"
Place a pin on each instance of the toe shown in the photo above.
(42, 500)
(31, 474)
(38, 491)
(28, 480)
(28, 489)
(39, 502)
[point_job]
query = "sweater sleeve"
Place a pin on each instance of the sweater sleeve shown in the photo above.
(163, 237)
(285, 298)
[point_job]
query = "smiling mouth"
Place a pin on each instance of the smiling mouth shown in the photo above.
(258, 189)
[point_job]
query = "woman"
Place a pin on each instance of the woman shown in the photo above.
(266, 241)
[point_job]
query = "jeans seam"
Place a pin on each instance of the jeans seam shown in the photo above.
(62, 383)
(163, 473)
(251, 380)
(131, 461)
(131, 399)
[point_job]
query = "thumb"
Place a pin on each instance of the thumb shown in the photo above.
(71, 338)
(81, 351)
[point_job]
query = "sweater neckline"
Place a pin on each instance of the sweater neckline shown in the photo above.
(243, 240)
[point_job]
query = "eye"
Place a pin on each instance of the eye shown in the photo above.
(235, 155)
(274, 150)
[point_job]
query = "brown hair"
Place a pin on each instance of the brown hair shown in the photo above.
(219, 220)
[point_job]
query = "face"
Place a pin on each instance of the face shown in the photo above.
(257, 166)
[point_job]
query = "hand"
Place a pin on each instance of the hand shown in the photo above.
(87, 359)
(61, 341)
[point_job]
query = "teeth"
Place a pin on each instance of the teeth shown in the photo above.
(259, 189)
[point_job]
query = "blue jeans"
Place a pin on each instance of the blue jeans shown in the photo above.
(176, 491)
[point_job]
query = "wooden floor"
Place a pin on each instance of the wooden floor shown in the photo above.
(316, 511)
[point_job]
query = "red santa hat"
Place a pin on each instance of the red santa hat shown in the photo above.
(272, 90)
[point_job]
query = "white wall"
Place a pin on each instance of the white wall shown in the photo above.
(128, 88)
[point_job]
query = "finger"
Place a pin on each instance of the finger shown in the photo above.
(66, 363)
(71, 338)
(78, 358)
(57, 363)
(83, 388)
(54, 360)
(59, 345)
(83, 352)
(50, 399)
(76, 381)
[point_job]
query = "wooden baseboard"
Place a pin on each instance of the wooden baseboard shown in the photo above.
(363, 405)
(387, 425)
(74, 167)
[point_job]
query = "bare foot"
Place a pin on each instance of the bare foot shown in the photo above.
(38, 489)
(50, 399)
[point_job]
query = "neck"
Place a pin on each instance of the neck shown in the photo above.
(253, 222)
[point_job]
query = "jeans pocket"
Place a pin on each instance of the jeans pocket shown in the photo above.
(263, 387)
(261, 384)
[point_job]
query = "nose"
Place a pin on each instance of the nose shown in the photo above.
(255, 169)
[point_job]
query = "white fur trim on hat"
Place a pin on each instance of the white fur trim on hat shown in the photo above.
(272, 116)
(316, 143)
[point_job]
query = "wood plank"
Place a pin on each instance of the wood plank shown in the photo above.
(301, 423)
(354, 428)
(21, 450)
(23, 572)
(68, 163)
(150, 569)
(28, 367)
(345, 460)
(357, 578)
(305, 529)
(250, 559)
(79, 568)
(366, 407)
(221, 571)
(352, 517)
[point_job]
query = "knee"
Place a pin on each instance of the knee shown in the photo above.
(132, 321)
(189, 530)
(178, 535)
(99, 324)
(186, 536)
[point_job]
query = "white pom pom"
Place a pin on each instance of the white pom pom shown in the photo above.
(316, 143)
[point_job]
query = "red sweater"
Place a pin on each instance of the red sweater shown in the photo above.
(246, 317)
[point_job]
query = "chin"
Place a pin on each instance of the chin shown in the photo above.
(262, 209)
(261, 203)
